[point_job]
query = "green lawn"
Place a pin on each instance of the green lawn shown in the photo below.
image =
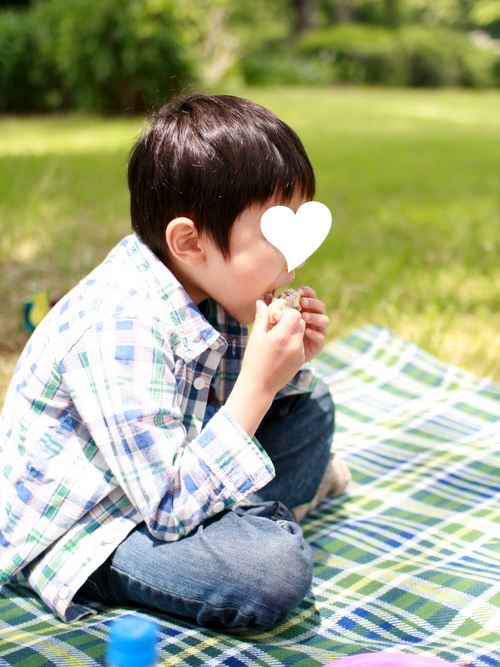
(412, 179)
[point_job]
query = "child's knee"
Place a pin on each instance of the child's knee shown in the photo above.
(289, 564)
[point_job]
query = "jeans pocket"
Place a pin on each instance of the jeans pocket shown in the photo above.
(269, 509)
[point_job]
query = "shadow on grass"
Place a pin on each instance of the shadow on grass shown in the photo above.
(60, 217)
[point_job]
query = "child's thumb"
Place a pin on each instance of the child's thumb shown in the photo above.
(261, 316)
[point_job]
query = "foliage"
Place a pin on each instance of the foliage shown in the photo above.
(410, 56)
(444, 13)
(18, 63)
(279, 64)
(486, 15)
(357, 53)
(456, 14)
(109, 55)
(116, 55)
(125, 54)
(442, 57)
(220, 32)
(113, 55)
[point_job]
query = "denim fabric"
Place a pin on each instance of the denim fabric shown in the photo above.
(248, 566)
(297, 434)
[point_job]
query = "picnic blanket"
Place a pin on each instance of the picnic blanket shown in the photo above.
(407, 561)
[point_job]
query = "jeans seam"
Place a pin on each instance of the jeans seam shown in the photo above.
(186, 598)
(280, 513)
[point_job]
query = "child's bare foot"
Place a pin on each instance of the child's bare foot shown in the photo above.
(334, 482)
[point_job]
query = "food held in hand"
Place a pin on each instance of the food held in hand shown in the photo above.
(287, 299)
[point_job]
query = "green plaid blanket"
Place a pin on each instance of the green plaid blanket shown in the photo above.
(408, 560)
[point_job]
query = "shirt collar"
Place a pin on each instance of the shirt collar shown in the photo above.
(194, 333)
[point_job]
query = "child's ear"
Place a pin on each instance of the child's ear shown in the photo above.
(183, 241)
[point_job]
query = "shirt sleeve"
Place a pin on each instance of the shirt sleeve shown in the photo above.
(303, 382)
(122, 379)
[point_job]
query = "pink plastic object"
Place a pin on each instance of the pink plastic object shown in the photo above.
(390, 660)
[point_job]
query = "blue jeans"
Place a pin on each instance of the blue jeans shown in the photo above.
(248, 566)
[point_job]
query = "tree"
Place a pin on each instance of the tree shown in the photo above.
(486, 15)
(392, 13)
(304, 11)
(344, 11)
(4, 4)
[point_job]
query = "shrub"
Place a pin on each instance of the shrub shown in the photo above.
(18, 58)
(358, 53)
(112, 55)
(438, 57)
(109, 55)
(281, 65)
(412, 56)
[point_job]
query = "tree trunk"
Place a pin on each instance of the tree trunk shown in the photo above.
(304, 14)
(391, 11)
(344, 11)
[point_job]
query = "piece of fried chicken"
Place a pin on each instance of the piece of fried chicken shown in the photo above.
(287, 299)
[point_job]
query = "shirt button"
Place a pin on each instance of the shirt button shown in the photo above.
(218, 507)
(64, 592)
(199, 383)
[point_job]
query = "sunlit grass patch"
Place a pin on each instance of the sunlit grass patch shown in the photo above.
(63, 134)
(63, 204)
(411, 178)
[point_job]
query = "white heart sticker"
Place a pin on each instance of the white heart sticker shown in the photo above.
(296, 235)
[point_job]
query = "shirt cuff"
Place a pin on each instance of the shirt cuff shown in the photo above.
(304, 382)
(240, 463)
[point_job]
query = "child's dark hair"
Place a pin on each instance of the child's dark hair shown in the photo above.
(208, 158)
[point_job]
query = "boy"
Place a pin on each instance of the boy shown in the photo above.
(146, 455)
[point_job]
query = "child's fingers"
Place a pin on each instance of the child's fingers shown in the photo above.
(261, 316)
(290, 322)
(307, 291)
(317, 320)
(312, 305)
(314, 342)
(317, 337)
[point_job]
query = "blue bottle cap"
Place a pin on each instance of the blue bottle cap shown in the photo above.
(132, 642)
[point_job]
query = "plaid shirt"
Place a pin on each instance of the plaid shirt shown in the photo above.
(103, 426)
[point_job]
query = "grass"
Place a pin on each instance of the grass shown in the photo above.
(411, 177)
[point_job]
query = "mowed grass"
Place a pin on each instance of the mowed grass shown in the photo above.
(63, 205)
(413, 182)
(411, 177)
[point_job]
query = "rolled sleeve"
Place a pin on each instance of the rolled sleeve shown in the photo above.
(130, 403)
(238, 461)
(303, 382)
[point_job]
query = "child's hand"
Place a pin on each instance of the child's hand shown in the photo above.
(272, 357)
(314, 315)
(275, 354)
